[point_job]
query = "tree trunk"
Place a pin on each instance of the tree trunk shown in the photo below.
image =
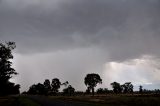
(93, 91)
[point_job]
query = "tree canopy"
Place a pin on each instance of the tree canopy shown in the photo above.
(47, 86)
(116, 87)
(127, 87)
(55, 85)
(91, 81)
(6, 71)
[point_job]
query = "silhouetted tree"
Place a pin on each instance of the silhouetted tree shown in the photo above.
(40, 89)
(24, 93)
(127, 87)
(140, 89)
(88, 90)
(6, 71)
(157, 91)
(116, 87)
(91, 81)
(47, 86)
(69, 90)
(15, 89)
(32, 90)
(37, 89)
(55, 85)
(102, 91)
(65, 83)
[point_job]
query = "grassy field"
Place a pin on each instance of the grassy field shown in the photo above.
(16, 101)
(116, 100)
(24, 101)
(7, 101)
(98, 100)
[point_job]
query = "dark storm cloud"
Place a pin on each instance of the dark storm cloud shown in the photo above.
(118, 26)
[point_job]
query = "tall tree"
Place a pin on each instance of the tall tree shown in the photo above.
(37, 89)
(71, 90)
(116, 87)
(47, 86)
(140, 89)
(68, 91)
(32, 89)
(91, 81)
(55, 85)
(6, 71)
(127, 87)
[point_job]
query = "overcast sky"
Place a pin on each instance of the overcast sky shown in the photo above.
(118, 39)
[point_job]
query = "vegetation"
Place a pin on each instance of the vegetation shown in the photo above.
(140, 89)
(91, 81)
(24, 101)
(114, 100)
(55, 85)
(125, 88)
(103, 91)
(8, 101)
(69, 91)
(47, 88)
(116, 87)
(6, 71)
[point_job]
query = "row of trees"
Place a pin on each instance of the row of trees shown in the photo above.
(51, 88)
(6, 71)
(125, 88)
(91, 81)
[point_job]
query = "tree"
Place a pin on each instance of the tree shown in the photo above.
(65, 83)
(6, 71)
(91, 81)
(37, 89)
(69, 90)
(140, 89)
(40, 89)
(102, 91)
(32, 90)
(116, 87)
(55, 85)
(127, 87)
(47, 86)
(88, 90)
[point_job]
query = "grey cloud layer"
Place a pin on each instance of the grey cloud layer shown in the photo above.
(118, 26)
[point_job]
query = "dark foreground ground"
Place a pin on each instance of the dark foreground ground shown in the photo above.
(103, 100)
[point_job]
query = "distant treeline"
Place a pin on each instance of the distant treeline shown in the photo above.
(91, 81)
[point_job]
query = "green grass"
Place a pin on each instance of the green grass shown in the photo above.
(27, 102)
